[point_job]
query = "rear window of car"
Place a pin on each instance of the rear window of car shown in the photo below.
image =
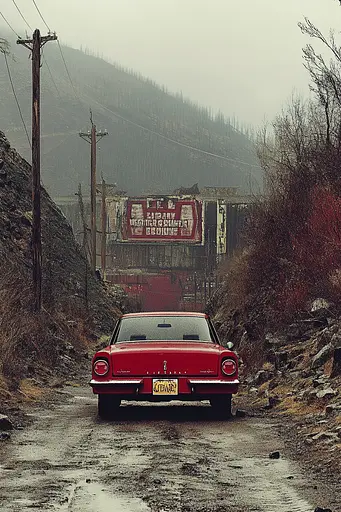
(164, 328)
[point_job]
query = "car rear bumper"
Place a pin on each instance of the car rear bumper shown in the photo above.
(142, 388)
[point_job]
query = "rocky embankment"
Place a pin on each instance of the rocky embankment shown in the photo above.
(38, 350)
(300, 380)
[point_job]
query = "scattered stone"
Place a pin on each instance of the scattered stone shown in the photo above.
(274, 455)
(319, 509)
(240, 413)
(56, 383)
(319, 306)
(272, 402)
(320, 381)
(326, 393)
(327, 436)
(5, 436)
(261, 377)
(5, 423)
(281, 359)
(331, 409)
(336, 368)
(271, 340)
(322, 356)
(88, 480)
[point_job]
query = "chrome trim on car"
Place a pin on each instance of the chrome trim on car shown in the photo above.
(94, 382)
(206, 381)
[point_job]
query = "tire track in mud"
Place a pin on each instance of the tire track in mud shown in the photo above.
(151, 459)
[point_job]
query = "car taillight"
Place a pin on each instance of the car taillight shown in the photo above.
(101, 367)
(229, 367)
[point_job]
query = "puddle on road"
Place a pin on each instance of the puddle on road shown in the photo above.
(94, 497)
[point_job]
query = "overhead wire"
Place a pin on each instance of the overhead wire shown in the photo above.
(21, 14)
(60, 49)
(51, 75)
(16, 99)
(44, 57)
(67, 70)
(164, 137)
(41, 16)
(10, 26)
(192, 148)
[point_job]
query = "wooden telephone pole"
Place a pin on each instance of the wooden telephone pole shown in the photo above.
(92, 137)
(35, 45)
(104, 230)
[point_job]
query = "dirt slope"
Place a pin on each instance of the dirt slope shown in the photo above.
(76, 307)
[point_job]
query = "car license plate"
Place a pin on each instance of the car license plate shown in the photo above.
(165, 386)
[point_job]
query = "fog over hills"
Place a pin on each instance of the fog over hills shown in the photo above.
(151, 132)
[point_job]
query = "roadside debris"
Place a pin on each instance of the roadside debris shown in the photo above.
(5, 423)
(275, 455)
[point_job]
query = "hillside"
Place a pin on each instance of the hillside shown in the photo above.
(76, 308)
(138, 158)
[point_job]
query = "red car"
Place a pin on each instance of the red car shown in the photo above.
(162, 357)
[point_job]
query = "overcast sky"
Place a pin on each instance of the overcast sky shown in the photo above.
(241, 56)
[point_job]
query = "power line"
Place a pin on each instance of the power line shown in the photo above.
(41, 16)
(66, 69)
(65, 65)
(50, 72)
(16, 100)
(60, 49)
(21, 14)
(192, 148)
(10, 26)
(164, 137)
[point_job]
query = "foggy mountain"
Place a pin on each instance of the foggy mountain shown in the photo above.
(140, 117)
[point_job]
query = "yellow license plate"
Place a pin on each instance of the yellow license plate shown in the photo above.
(165, 386)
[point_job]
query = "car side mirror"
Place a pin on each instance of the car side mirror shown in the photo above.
(229, 345)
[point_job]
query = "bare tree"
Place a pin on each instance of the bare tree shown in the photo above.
(4, 46)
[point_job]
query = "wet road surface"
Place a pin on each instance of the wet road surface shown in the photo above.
(155, 458)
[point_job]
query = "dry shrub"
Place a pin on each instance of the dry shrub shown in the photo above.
(31, 343)
(23, 335)
(236, 281)
(294, 232)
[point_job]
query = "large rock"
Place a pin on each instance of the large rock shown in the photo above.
(5, 423)
(261, 377)
(326, 393)
(272, 340)
(336, 340)
(322, 356)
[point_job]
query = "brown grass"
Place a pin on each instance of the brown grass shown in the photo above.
(29, 343)
(293, 407)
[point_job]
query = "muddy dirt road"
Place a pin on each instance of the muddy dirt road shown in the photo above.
(155, 458)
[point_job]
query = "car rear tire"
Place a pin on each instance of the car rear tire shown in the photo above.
(107, 406)
(222, 406)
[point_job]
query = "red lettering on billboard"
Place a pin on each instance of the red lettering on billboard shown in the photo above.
(162, 220)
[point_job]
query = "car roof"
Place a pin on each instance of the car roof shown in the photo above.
(165, 313)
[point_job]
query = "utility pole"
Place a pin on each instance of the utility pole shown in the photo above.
(35, 45)
(92, 137)
(104, 230)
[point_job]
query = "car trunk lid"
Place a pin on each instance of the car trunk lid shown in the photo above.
(160, 358)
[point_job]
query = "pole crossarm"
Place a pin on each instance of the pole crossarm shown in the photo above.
(43, 40)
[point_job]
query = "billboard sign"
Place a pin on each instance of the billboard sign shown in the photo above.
(170, 219)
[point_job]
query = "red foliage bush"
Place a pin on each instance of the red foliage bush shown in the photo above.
(317, 245)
